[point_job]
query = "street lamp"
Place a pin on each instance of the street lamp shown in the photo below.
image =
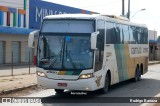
(137, 12)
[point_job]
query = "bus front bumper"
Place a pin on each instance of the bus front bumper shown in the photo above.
(80, 84)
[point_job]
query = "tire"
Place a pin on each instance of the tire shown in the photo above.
(59, 91)
(105, 89)
(137, 75)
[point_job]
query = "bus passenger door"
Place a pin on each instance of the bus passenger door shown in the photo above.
(99, 72)
(99, 53)
(98, 59)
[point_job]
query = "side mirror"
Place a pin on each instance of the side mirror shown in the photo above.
(31, 38)
(94, 40)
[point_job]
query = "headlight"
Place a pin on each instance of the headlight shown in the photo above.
(41, 74)
(85, 76)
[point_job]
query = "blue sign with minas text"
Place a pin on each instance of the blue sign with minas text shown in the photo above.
(39, 9)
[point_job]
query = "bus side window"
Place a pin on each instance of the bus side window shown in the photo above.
(121, 34)
(100, 45)
(125, 33)
(108, 33)
(131, 39)
(145, 31)
(143, 38)
(118, 34)
(139, 35)
(135, 34)
(113, 33)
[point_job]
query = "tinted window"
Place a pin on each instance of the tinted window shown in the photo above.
(125, 33)
(145, 31)
(101, 36)
(111, 33)
(135, 34)
(131, 38)
(119, 34)
(68, 26)
(122, 34)
(144, 36)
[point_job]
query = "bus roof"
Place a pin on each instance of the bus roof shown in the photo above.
(72, 16)
(110, 18)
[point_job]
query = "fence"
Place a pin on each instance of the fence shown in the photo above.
(17, 68)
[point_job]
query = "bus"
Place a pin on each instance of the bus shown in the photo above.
(89, 52)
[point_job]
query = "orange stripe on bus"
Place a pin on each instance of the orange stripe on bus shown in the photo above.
(4, 8)
(21, 11)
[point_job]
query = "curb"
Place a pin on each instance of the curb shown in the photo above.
(154, 63)
(17, 89)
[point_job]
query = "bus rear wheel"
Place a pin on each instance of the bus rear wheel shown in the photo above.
(137, 75)
(59, 91)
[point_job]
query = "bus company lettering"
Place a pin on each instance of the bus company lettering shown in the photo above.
(145, 50)
(136, 50)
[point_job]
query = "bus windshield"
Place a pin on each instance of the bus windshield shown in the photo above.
(65, 51)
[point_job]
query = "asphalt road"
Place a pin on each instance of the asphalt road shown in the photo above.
(149, 86)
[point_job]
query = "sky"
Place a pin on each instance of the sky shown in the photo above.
(150, 16)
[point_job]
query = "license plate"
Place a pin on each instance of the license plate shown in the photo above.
(62, 84)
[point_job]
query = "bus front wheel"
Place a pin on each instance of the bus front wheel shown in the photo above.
(59, 91)
(106, 85)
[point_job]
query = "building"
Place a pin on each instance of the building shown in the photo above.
(158, 43)
(17, 19)
(158, 49)
(153, 51)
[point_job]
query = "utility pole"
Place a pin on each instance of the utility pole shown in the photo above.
(123, 8)
(128, 15)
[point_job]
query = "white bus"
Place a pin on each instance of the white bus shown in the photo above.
(89, 52)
